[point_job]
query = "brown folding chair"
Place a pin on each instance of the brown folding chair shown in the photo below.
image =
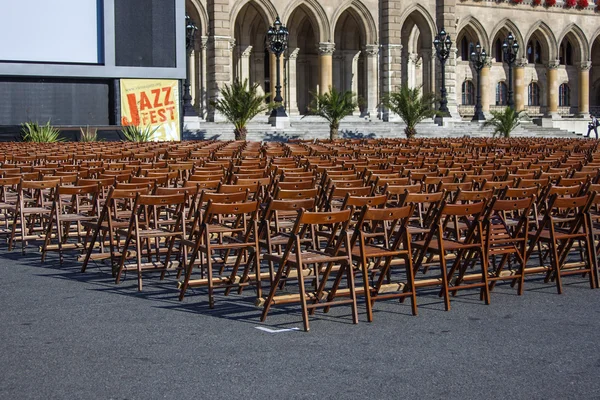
(301, 253)
(226, 228)
(71, 205)
(382, 239)
(157, 222)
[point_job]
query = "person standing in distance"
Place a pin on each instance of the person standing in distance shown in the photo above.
(593, 125)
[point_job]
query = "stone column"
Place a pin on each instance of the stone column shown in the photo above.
(552, 90)
(326, 50)
(428, 72)
(232, 48)
(245, 52)
(411, 69)
(292, 61)
(372, 53)
(219, 53)
(203, 98)
(584, 88)
(272, 74)
(446, 17)
(520, 93)
(259, 71)
(485, 86)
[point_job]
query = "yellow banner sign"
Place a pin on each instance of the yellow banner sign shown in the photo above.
(152, 102)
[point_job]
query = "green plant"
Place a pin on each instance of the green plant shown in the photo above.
(88, 135)
(504, 122)
(134, 133)
(333, 106)
(35, 133)
(411, 106)
(239, 103)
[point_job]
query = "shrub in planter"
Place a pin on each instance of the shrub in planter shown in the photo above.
(516, 1)
(537, 2)
(583, 3)
(570, 3)
(550, 3)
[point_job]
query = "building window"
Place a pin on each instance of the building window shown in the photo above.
(468, 93)
(566, 53)
(534, 94)
(464, 49)
(564, 95)
(499, 51)
(501, 94)
(534, 52)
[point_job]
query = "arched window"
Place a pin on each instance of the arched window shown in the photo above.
(564, 95)
(565, 56)
(501, 94)
(498, 50)
(534, 52)
(468, 93)
(464, 49)
(534, 94)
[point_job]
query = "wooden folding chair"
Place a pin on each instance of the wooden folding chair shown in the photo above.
(71, 205)
(300, 254)
(383, 238)
(157, 222)
(566, 221)
(225, 229)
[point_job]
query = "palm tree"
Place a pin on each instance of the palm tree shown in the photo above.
(240, 103)
(411, 106)
(504, 122)
(333, 106)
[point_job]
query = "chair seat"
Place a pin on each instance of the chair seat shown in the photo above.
(449, 245)
(308, 257)
(545, 235)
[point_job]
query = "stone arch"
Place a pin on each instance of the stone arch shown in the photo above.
(508, 26)
(577, 38)
(198, 13)
(265, 6)
(421, 15)
(417, 33)
(547, 40)
(471, 23)
(362, 14)
(315, 13)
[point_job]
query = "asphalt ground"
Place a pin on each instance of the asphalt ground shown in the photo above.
(68, 335)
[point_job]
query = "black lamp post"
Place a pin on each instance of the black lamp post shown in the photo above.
(443, 43)
(190, 39)
(478, 58)
(511, 48)
(277, 37)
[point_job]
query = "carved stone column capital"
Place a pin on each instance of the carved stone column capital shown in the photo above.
(203, 42)
(521, 62)
(326, 48)
(245, 52)
(585, 65)
(294, 53)
(231, 44)
(553, 64)
(371, 50)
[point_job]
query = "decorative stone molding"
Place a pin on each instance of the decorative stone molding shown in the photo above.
(585, 65)
(371, 50)
(487, 63)
(521, 62)
(553, 64)
(231, 44)
(294, 53)
(246, 52)
(204, 42)
(326, 48)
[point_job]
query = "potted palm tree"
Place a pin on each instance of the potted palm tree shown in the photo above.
(240, 102)
(333, 106)
(504, 122)
(411, 106)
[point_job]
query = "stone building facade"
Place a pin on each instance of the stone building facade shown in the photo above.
(373, 46)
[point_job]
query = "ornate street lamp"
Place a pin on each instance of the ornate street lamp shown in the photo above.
(442, 44)
(478, 59)
(277, 39)
(511, 48)
(190, 38)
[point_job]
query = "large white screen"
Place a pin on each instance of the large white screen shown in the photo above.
(64, 31)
